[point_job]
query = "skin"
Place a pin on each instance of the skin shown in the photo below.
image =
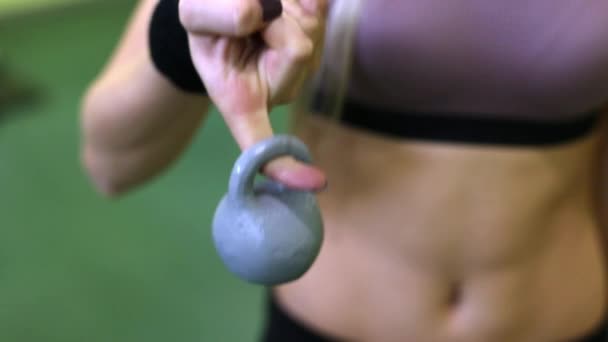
(449, 243)
(473, 244)
(131, 135)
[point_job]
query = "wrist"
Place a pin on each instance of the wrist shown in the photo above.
(169, 48)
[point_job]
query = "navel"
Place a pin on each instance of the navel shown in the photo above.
(455, 296)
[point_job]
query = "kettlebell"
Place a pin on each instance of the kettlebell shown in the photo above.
(264, 232)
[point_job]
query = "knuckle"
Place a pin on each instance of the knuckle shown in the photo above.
(187, 15)
(301, 52)
(244, 16)
(311, 26)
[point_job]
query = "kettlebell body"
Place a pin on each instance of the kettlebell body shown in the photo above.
(266, 233)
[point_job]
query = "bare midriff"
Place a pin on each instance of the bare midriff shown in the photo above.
(437, 242)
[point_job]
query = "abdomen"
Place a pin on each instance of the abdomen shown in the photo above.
(432, 242)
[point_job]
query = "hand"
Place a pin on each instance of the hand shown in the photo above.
(249, 65)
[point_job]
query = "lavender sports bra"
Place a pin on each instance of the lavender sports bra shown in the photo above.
(523, 72)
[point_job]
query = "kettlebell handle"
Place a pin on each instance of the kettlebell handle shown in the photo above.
(249, 163)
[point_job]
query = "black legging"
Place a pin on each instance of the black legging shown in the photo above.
(282, 328)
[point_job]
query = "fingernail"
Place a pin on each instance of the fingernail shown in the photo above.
(271, 9)
(324, 188)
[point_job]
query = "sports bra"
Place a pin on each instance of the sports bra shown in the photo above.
(474, 71)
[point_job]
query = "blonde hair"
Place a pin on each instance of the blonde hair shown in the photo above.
(332, 78)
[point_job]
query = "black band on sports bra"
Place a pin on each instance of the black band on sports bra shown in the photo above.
(169, 48)
(463, 127)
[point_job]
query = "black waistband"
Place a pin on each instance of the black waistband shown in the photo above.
(280, 327)
(466, 128)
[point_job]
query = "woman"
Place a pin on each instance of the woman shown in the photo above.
(464, 169)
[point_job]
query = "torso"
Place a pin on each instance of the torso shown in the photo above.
(434, 241)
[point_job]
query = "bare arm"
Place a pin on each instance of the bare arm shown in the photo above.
(134, 122)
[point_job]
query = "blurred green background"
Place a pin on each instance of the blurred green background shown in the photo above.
(13, 7)
(77, 267)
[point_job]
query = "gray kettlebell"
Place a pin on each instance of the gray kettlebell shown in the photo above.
(264, 232)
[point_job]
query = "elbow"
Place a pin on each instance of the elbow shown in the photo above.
(105, 182)
(91, 163)
(98, 168)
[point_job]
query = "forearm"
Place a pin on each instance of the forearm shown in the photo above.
(134, 124)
